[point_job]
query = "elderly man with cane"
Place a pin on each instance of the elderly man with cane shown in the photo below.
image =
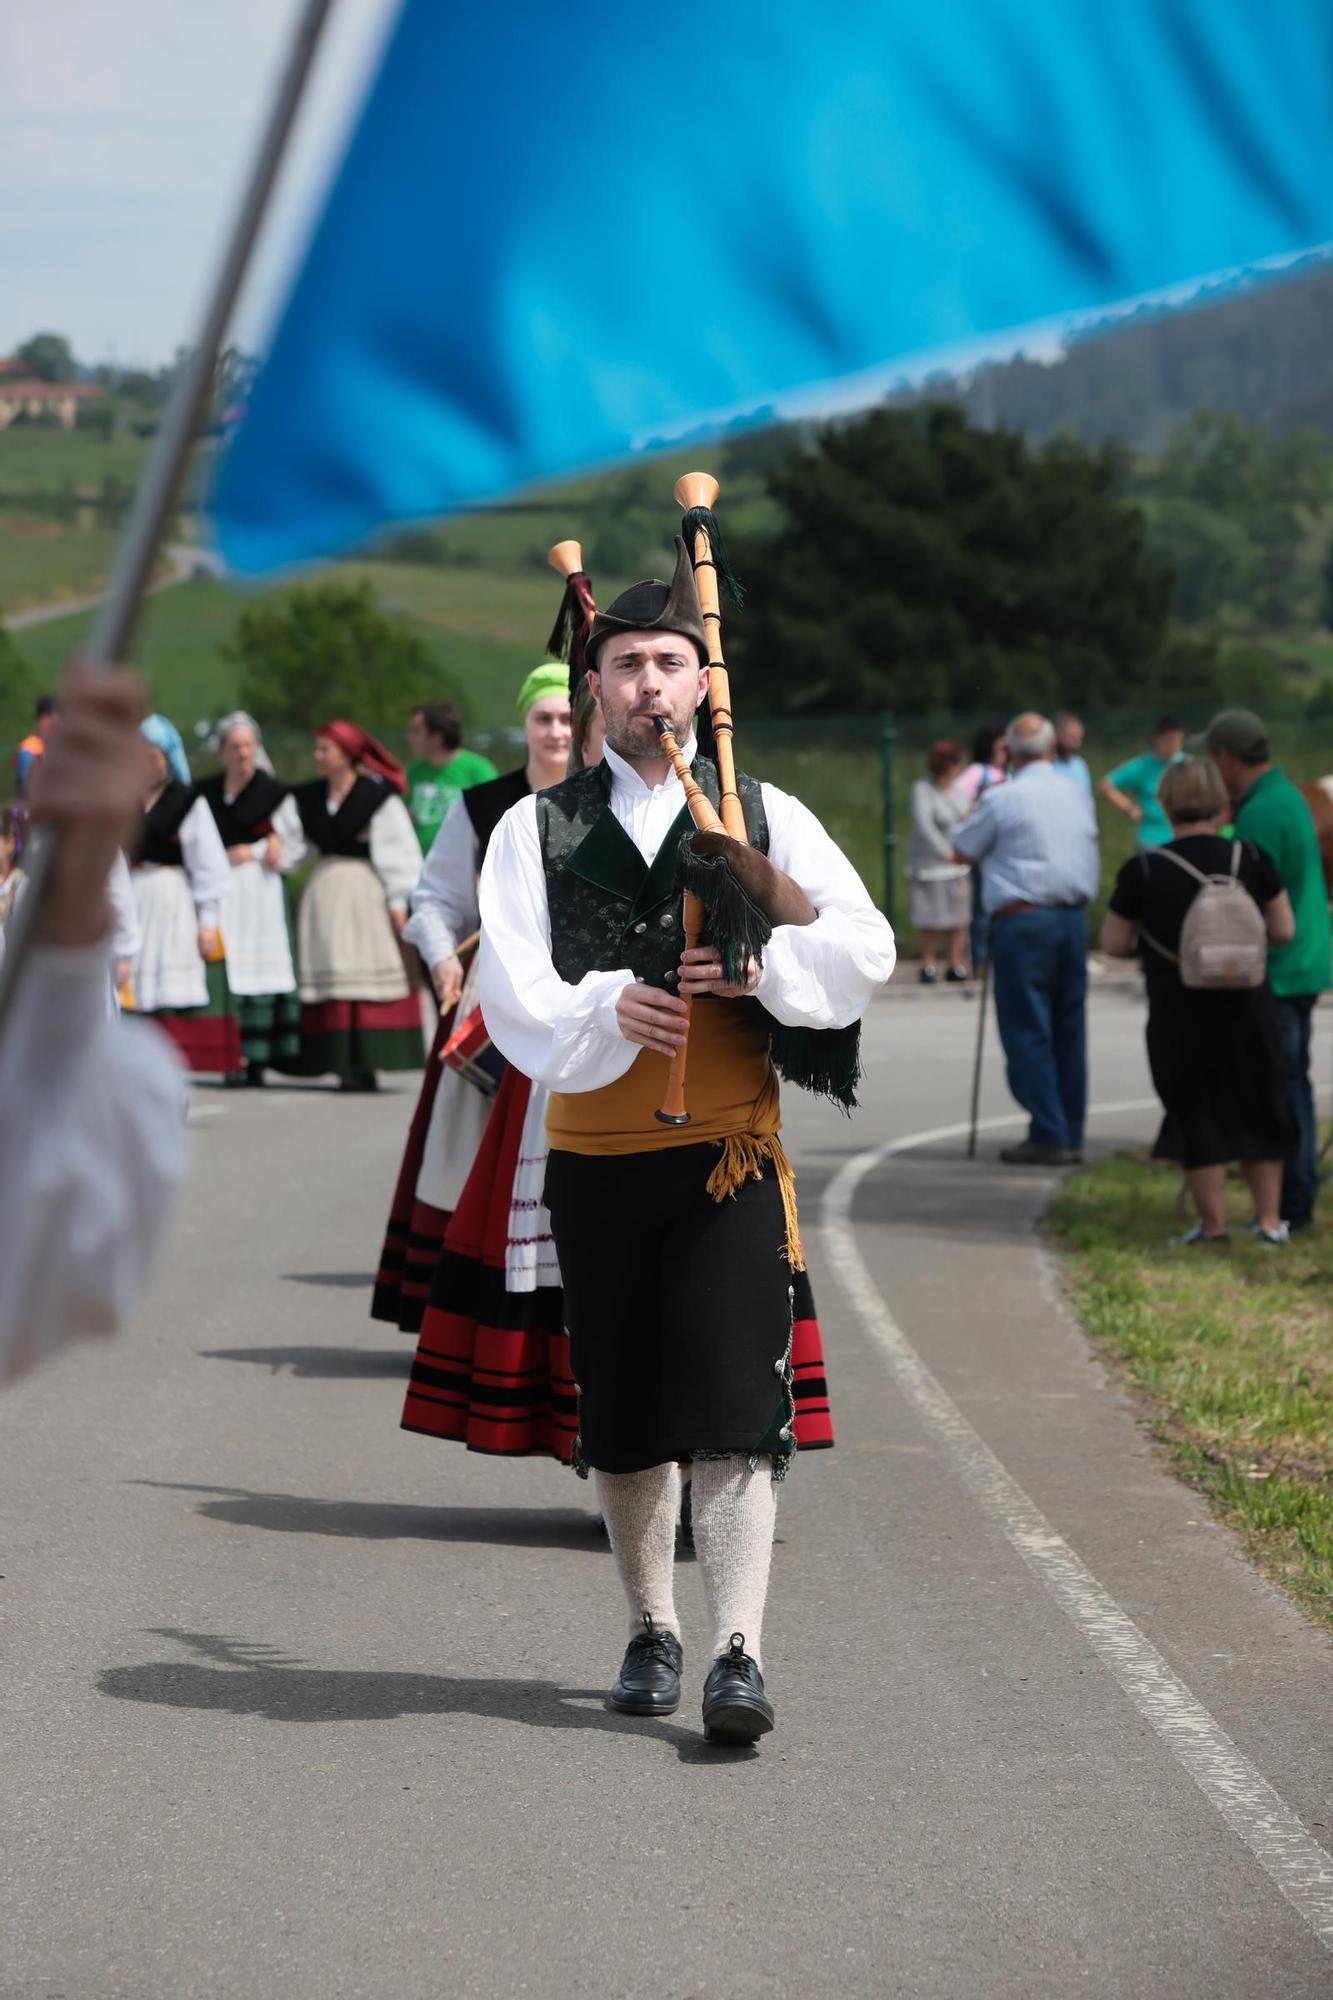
(1038, 839)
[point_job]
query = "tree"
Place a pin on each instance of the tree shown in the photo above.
(330, 650)
(925, 564)
(49, 357)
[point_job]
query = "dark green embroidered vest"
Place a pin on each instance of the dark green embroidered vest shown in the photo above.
(608, 907)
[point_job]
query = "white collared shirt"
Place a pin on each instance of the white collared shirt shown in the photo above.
(566, 1036)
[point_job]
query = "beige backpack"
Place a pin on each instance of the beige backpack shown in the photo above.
(1223, 940)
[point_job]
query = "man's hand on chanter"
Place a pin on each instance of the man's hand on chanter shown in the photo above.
(701, 972)
(653, 1019)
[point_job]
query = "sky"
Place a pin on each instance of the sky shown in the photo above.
(127, 127)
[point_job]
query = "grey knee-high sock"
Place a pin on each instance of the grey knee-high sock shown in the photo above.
(640, 1510)
(735, 1511)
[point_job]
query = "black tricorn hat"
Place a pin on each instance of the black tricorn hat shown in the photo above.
(654, 607)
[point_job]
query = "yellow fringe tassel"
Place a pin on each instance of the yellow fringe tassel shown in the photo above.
(743, 1159)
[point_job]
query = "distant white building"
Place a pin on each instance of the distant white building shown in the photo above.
(26, 395)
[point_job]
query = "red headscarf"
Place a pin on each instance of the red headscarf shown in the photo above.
(366, 753)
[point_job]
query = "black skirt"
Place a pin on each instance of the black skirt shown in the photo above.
(679, 1309)
(1216, 1062)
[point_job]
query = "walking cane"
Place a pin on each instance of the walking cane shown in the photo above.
(981, 1044)
(160, 484)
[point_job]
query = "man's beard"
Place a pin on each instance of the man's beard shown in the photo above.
(633, 735)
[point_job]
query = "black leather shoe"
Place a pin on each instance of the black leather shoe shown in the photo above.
(1028, 1154)
(736, 1709)
(649, 1679)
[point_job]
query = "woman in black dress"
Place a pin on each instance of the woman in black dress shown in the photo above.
(1215, 1056)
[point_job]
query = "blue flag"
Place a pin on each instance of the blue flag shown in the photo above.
(556, 234)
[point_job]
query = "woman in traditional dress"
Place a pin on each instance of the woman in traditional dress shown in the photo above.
(180, 876)
(452, 1113)
(492, 1363)
(243, 797)
(13, 828)
(359, 1013)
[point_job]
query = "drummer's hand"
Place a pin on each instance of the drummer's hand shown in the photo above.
(653, 1019)
(398, 918)
(447, 979)
(701, 972)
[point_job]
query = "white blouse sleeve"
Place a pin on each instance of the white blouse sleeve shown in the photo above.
(94, 1148)
(565, 1037)
(444, 902)
(821, 975)
(206, 862)
(291, 835)
(395, 851)
(126, 932)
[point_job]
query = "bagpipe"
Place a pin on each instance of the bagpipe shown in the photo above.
(734, 894)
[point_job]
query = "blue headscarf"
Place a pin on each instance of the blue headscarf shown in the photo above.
(165, 736)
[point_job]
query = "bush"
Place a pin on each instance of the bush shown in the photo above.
(331, 650)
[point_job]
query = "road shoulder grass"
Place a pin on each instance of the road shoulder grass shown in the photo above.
(1230, 1350)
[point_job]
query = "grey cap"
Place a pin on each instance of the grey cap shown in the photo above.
(1240, 731)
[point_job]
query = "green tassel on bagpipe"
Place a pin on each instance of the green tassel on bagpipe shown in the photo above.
(733, 922)
(705, 518)
(825, 1061)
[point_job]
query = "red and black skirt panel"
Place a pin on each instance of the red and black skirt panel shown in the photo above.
(809, 1384)
(414, 1235)
(492, 1366)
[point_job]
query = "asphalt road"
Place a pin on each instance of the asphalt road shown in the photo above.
(298, 1705)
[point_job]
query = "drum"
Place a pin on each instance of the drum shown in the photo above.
(471, 1052)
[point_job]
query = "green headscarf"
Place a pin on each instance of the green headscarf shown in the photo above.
(551, 677)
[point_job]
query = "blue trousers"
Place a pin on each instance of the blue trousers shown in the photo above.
(1300, 1175)
(1039, 961)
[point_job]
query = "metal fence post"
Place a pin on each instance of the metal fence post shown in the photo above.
(888, 736)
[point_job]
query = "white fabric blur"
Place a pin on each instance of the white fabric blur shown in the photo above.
(566, 1036)
(126, 934)
(393, 847)
(444, 901)
(95, 1143)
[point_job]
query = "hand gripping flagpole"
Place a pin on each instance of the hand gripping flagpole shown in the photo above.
(159, 487)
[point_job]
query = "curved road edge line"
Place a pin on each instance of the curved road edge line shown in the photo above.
(1256, 1813)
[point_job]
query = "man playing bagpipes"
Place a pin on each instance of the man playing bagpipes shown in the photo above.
(676, 1230)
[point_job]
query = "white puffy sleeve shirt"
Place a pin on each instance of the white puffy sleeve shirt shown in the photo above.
(444, 902)
(566, 1036)
(395, 851)
(206, 862)
(94, 1120)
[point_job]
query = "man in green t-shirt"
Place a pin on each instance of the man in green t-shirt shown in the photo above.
(1132, 787)
(1271, 812)
(440, 769)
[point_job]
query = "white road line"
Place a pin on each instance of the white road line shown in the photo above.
(1282, 1845)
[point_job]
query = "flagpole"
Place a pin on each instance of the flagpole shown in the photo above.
(159, 487)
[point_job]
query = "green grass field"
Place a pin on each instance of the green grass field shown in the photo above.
(52, 462)
(43, 562)
(1231, 1350)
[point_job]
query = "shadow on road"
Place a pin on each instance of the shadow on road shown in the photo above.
(321, 1363)
(343, 1281)
(387, 1521)
(257, 1680)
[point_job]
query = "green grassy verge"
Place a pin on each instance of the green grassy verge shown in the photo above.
(43, 562)
(1232, 1351)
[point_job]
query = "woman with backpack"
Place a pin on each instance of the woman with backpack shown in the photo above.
(1204, 910)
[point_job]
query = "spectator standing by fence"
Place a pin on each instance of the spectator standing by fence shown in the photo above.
(1036, 838)
(33, 746)
(939, 887)
(1271, 812)
(988, 767)
(440, 770)
(1216, 1055)
(1132, 787)
(1069, 760)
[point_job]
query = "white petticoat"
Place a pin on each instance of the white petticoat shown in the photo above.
(168, 971)
(254, 932)
(348, 949)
